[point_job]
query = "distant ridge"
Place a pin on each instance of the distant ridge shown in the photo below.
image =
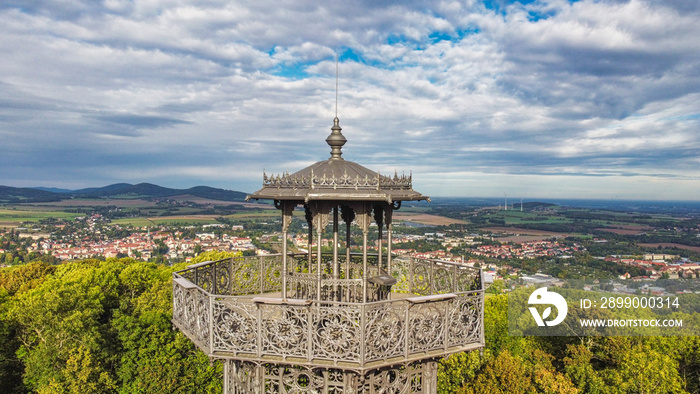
(52, 189)
(10, 194)
(128, 190)
(106, 190)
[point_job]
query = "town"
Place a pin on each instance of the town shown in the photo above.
(505, 255)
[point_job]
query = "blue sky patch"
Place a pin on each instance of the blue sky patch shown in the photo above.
(347, 53)
(437, 36)
(292, 71)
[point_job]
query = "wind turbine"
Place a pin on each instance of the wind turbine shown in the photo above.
(505, 203)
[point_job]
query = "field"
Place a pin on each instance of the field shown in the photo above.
(625, 231)
(177, 219)
(523, 234)
(516, 217)
(207, 201)
(139, 212)
(671, 245)
(14, 217)
(96, 202)
(424, 218)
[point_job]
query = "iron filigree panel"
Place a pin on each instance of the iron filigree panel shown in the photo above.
(426, 326)
(246, 377)
(178, 303)
(284, 330)
(464, 316)
(201, 329)
(420, 279)
(346, 290)
(468, 280)
(205, 277)
(235, 326)
(443, 279)
(418, 377)
(191, 312)
(337, 332)
(302, 286)
(385, 334)
(245, 276)
(291, 379)
(272, 273)
(241, 378)
(222, 277)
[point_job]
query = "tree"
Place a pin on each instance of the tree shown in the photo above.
(496, 327)
(456, 370)
(496, 287)
(642, 369)
(579, 369)
(503, 374)
(81, 375)
(69, 309)
(10, 366)
(97, 326)
(154, 358)
(24, 277)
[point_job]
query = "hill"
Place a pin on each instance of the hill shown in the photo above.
(106, 190)
(126, 190)
(53, 189)
(10, 194)
(216, 194)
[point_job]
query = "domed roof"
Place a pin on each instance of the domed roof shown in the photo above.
(337, 179)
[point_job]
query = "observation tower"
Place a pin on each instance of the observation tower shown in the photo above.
(333, 322)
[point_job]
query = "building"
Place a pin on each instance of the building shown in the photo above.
(332, 322)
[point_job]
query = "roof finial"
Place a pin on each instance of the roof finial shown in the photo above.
(336, 140)
(336, 85)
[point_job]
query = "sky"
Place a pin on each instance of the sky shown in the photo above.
(556, 99)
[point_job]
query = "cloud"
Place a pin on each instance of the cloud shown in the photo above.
(546, 93)
(138, 121)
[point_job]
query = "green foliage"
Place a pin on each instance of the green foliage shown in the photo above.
(10, 366)
(642, 369)
(96, 327)
(496, 328)
(24, 277)
(581, 371)
(105, 327)
(214, 255)
(587, 364)
(82, 375)
(508, 374)
(497, 287)
(457, 369)
(154, 358)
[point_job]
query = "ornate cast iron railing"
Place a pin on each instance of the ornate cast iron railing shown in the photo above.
(237, 275)
(262, 274)
(231, 309)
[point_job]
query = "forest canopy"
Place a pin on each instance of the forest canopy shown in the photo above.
(97, 326)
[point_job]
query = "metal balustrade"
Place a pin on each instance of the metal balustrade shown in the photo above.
(232, 309)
